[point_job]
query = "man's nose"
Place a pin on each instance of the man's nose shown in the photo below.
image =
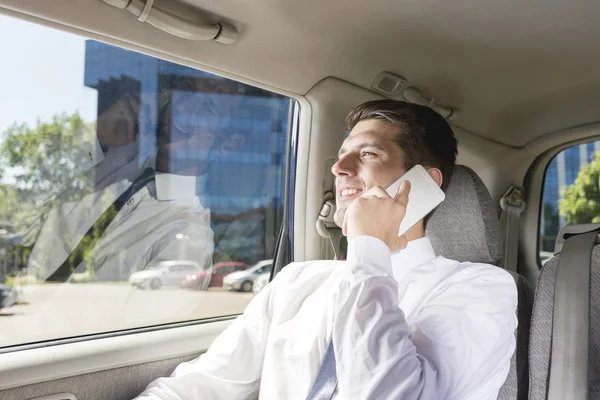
(344, 167)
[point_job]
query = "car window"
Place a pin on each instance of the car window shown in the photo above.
(222, 270)
(238, 268)
(571, 193)
(113, 163)
(264, 268)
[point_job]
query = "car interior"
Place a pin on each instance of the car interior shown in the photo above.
(519, 82)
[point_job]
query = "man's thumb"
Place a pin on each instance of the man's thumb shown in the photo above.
(401, 242)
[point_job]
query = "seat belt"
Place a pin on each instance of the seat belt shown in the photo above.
(326, 226)
(95, 233)
(571, 319)
(513, 205)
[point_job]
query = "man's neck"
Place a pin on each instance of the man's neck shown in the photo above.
(416, 232)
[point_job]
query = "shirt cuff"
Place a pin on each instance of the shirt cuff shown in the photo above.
(367, 250)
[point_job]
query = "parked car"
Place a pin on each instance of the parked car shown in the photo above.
(261, 281)
(244, 280)
(219, 271)
(164, 273)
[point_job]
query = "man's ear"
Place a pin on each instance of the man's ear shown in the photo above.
(437, 176)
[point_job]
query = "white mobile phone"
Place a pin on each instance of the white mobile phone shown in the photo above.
(425, 195)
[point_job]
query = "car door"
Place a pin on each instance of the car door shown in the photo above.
(184, 272)
(100, 338)
(173, 274)
(217, 279)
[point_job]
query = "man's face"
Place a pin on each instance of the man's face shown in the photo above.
(116, 126)
(368, 157)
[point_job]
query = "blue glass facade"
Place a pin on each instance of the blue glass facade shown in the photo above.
(244, 190)
(560, 173)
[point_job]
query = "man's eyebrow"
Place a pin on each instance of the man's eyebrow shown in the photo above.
(364, 145)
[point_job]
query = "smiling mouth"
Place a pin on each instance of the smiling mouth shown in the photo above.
(349, 193)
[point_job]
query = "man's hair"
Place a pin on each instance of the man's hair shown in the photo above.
(424, 135)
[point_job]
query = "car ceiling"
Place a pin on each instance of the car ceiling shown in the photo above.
(515, 70)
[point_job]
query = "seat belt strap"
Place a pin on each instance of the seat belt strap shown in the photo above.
(327, 228)
(571, 319)
(513, 205)
(94, 234)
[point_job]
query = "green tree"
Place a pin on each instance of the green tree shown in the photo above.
(581, 200)
(48, 164)
(49, 159)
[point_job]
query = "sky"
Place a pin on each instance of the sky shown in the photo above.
(41, 74)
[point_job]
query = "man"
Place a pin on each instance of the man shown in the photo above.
(130, 214)
(404, 323)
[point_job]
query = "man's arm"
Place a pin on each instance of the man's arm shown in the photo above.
(231, 368)
(459, 346)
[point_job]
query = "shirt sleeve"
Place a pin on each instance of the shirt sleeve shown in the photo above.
(231, 368)
(458, 346)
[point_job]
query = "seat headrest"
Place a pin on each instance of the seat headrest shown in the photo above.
(570, 230)
(465, 227)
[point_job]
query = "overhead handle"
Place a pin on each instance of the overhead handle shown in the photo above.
(221, 32)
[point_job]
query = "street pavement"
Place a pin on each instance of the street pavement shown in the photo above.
(52, 311)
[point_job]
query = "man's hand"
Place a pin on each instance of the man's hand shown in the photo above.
(378, 215)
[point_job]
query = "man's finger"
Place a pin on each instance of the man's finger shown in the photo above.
(376, 191)
(402, 195)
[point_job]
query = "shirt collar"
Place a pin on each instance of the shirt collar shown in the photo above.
(113, 162)
(417, 252)
(174, 187)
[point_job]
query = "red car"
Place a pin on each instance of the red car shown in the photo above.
(219, 270)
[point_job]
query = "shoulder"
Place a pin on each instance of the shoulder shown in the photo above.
(483, 283)
(302, 279)
(308, 270)
(476, 272)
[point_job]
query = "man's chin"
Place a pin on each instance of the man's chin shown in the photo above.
(338, 217)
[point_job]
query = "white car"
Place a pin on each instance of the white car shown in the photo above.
(244, 280)
(164, 273)
(261, 281)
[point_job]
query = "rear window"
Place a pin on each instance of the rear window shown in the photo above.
(120, 174)
(571, 193)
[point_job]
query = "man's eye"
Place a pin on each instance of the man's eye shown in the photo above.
(368, 154)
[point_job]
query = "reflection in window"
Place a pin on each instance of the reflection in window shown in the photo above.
(176, 171)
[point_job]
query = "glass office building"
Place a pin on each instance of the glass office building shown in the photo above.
(244, 190)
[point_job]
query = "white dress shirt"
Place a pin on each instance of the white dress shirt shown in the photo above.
(162, 221)
(404, 326)
(156, 225)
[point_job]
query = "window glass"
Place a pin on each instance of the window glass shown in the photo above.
(266, 268)
(120, 174)
(571, 193)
